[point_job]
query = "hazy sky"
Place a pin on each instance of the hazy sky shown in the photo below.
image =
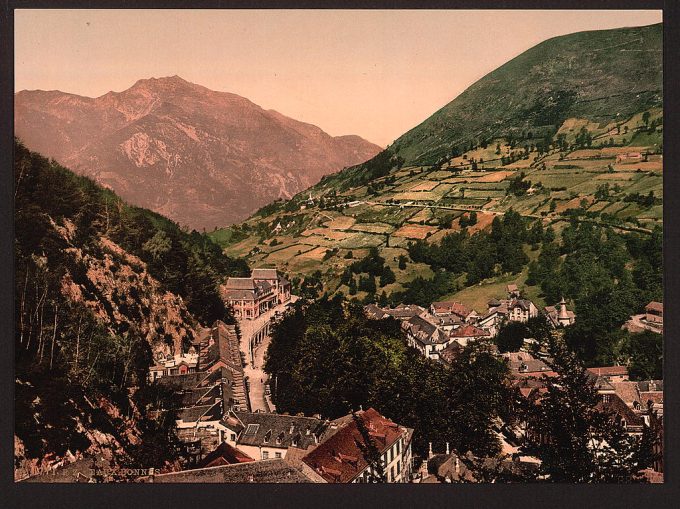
(372, 73)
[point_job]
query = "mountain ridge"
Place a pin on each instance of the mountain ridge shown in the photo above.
(203, 158)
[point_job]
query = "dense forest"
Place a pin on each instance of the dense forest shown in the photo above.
(69, 356)
(609, 276)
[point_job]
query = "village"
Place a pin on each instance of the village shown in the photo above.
(229, 429)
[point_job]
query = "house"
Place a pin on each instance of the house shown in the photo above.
(219, 348)
(654, 313)
(463, 335)
(373, 312)
(266, 471)
(445, 323)
(224, 454)
(280, 284)
(453, 308)
(178, 364)
(494, 318)
(560, 316)
(452, 351)
(611, 373)
(513, 291)
(466, 468)
(521, 310)
(629, 157)
(405, 311)
(251, 296)
(341, 457)
(425, 337)
(200, 402)
(524, 365)
(265, 436)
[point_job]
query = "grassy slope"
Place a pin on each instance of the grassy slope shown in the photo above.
(597, 65)
(614, 72)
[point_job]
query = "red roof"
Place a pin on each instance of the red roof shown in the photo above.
(452, 307)
(469, 331)
(654, 306)
(224, 454)
(609, 371)
(340, 459)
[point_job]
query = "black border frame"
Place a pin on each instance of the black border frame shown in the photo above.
(254, 496)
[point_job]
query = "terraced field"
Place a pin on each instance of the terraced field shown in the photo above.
(426, 203)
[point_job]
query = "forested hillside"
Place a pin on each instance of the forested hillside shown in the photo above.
(101, 287)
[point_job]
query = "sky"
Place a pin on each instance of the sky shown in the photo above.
(375, 73)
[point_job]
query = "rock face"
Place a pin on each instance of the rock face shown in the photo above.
(202, 158)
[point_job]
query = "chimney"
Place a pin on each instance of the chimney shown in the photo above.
(456, 466)
(447, 448)
(292, 428)
(429, 452)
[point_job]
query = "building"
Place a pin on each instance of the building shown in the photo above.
(179, 364)
(494, 318)
(654, 313)
(224, 454)
(560, 316)
(200, 400)
(629, 157)
(513, 291)
(251, 296)
(449, 354)
(425, 336)
(521, 310)
(610, 373)
(401, 312)
(266, 471)
(280, 284)
(265, 436)
(340, 458)
(453, 308)
(463, 335)
(524, 365)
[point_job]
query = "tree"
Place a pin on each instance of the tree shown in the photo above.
(645, 117)
(387, 277)
(645, 351)
(511, 336)
(370, 452)
(585, 444)
(352, 286)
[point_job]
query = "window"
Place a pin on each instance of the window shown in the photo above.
(265, 455)
(277, 454)
(233, 437)
(398, 467)
(252, 429)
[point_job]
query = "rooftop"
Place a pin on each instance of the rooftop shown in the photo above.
(264, 274)
(340, 459)
(264, 471)
(277, 430)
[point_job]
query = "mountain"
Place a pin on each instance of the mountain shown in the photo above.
(598, 75)
(202, 158)
(102, 289)
(571, 129)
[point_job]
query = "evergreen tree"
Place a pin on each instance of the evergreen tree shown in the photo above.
(585, 444)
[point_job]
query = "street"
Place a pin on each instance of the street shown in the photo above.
(254, 371)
